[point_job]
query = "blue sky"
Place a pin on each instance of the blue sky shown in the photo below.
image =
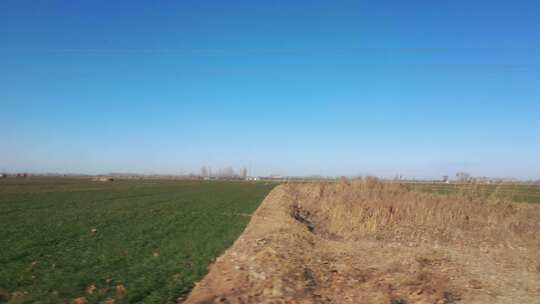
(343, 87)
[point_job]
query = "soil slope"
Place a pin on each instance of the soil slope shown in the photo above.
(371, 242)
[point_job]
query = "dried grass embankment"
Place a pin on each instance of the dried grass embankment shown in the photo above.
(370, 242)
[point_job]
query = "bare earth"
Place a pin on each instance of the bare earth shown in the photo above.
(369, 242)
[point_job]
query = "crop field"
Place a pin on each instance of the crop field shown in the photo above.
(515, 192)
(127, 241)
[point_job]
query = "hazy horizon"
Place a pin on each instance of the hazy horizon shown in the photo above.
(417, 88)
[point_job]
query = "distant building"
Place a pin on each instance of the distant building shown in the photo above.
(103, 179)
(463, 177)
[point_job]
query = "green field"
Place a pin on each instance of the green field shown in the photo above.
(514, 192)
(153, 238)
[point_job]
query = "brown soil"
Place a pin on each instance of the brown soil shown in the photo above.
(371, 242)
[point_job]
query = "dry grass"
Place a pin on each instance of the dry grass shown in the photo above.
(367, 207)
(365, 241)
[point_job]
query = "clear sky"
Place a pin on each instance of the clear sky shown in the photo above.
(420, 88)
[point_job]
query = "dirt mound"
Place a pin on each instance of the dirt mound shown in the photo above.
(371, 242)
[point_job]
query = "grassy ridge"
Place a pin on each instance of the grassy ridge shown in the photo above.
(155, 238)
(515, 192)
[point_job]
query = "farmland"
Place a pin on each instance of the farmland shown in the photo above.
(129, 241)
(529, 193)
(148, 241)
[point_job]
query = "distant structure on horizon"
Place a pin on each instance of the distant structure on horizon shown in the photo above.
(103, 179)
(227, 173)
